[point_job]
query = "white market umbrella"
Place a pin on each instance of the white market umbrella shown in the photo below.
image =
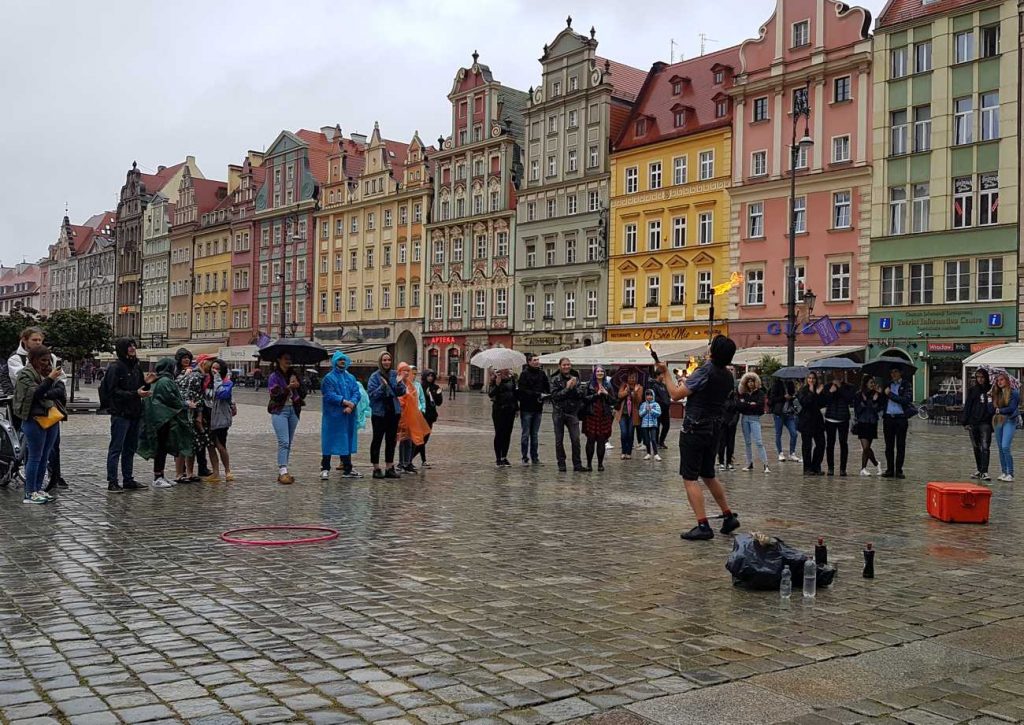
(499, 358)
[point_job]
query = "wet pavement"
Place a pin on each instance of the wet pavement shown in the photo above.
(470, 594)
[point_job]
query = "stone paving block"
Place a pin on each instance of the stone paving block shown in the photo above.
(917, 716)
(738, 703)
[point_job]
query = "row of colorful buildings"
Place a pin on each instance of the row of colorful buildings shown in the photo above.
(605, 203)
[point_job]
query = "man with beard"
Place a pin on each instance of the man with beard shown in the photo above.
(123, 389)
(534, 387)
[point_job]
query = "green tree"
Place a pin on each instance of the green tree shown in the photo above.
(75, 335)
(11, 326)
(767, 366)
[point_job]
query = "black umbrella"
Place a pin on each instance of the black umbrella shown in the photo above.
(302, 352)
(881, 367)
(796, 372)
(834, 363)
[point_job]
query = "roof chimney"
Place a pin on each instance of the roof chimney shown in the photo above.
(359, 138)
(328, 132)
(160, 168)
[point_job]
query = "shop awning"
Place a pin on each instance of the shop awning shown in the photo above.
(627, 353)
(152, 354)
(238, 353)
(360, 353)
(804, 353)
(1010, 355)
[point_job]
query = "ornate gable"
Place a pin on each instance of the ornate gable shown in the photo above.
(628, 266)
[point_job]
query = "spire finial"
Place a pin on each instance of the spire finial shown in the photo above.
(592, 32)
(475, 56)
(568, 21)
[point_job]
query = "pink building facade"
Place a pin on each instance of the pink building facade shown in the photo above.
(821, 48)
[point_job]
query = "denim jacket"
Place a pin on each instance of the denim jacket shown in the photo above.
(383, 392)
(649, 414)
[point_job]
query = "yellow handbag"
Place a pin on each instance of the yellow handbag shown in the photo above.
(53, 417)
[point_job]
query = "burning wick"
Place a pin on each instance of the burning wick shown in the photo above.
(654, 355)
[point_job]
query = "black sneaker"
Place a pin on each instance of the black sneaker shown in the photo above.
(526, 461)
(842, 474)
(391, 473)
(888, 474)
(561, 468)
(61, 483)
(579, 469)
(536, 462)
(505, 462)
(49, 485)
(730, 524)
(700, 532)
(831, 472)
(409, 468)
(113, 487)
(351, 474)
(900, 475)
(133, 486)
(377, 473)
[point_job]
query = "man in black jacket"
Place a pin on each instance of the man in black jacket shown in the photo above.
(534, 387)
(566, 398)
(121, 393)
(977, 419)
(840, 396)
(665, 403)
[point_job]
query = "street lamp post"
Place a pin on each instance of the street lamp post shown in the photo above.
(800, 108)
(295, 237)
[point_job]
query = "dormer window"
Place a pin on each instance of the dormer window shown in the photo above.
(721, 108)
(679, 119)
(719, 77)
(677, 88)
(640, 128)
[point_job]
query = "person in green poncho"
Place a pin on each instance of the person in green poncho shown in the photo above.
(165, 423)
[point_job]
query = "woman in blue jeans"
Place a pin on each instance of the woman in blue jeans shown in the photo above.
(1006, 400)
(34, 395)
(287, 397)
(631, 395)
(750, 404)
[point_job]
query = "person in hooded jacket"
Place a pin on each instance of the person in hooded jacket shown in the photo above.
(385, 391)
(504, 405)
(534, 387)
(976, 417)
(750, 405)
(340, 422)
(839, 397)
(122, 391)
(166, 429)
(811, 424)
(190, 382)
(433, 396)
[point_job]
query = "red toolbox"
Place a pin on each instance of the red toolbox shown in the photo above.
(961, 503)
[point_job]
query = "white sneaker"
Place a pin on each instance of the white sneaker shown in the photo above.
(657, 456)
(986, 477)
(795, 458)
(880, 470)
(865, 472)
(1002, 477)
(1009, 478)
(608, 446)
(325, 475)
(162, 483)
(766, 469)
(976, 474)
(647, 456)
(782, 456)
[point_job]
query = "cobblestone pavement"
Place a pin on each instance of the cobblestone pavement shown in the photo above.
(469, 594)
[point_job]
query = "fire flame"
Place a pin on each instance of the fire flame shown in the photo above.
(691, 365)
(734, 280)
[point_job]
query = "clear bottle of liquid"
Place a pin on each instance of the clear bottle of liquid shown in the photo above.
(810, 579)
(786, 585)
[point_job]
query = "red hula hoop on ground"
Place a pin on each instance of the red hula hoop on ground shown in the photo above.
(229, 536)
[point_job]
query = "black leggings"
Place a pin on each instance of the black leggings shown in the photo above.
(346, 463)
(595, 445)
(837, 432)
(385, 428)
(160, 456)
(423, 448)
(504, 421)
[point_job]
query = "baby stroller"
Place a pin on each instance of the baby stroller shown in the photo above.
(12, 445)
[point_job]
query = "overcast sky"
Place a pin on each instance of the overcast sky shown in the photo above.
(88, 87)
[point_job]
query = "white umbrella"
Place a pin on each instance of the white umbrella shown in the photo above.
(499, 358)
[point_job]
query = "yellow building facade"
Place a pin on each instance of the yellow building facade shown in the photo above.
(370, 258)
(669, 214)
(211, 293)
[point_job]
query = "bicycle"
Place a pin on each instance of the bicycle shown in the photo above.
(13, 450)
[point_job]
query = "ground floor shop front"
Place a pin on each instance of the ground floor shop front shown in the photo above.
(450, 355)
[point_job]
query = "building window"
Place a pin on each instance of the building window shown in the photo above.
(654, 235)
(401, 296)
(755, 219)
(531, 307)
(654, 175)
(640, 127)
(495, 200)
(703, 287)
(759, 163)
(549, 254)
(416, 251)
(552, 208)
(570, 204)
(963, 121)
(438, 251)
(553, 124)
(923, 56)
(755, 287)
(481, 246)
(678, 289)
(369, 258)
(570, 250)
(922, 207)
(535, 170)
(707, 165)
(988, 200)
(705, 227)
(629, 293)
(989, 41)
(388, 218)
(592, 157)
(678, 232)
(760, 109)
(990, 279)
(402, 253)
(549, 306)
(892, 285)
(898, 62)
(351, 299)
(631, 180)
(679, 119)
(840, 149)
(839, 281)
(593, 249)
(403, 215)
(572, 162)
(501, 303)
(570, 305)
(653, 291)
(591, 303)
(841, 210)
(368, 298)
(802, 157)
(531, 257)
(531, 211)
(897, 210)
(800, 214)
(841, 89)
(898, 132)
(478, 204)
(574, 118)
(922, 283)
(963, 44)
(677, 88)
(502, 244)
(457, 249)
(629, 239)
(385, 296)
(456, 306)
(721, 108)
(552, 165)
(923, 128)
(989, 116)
(958, 280)
(801, 33)
(963, 202)
(593, 201)
(416, 294)
(438, 307)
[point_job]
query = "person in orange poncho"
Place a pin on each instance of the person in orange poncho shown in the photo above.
(412, 426)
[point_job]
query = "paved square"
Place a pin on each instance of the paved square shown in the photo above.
(470, 594)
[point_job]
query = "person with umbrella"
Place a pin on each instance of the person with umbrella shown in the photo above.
(341, 421)
(782, 400)
(287, 397)
(1006, 399)
(504, 405)
(899, 397)
(976, 417)
(385, 391)
(811, 423)
(705, 390)
(566, 399)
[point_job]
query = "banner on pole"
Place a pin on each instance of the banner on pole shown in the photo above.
(825, 329)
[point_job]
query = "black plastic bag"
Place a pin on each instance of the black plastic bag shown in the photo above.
(758, 563)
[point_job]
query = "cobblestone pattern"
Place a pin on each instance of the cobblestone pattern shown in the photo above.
(469, 594)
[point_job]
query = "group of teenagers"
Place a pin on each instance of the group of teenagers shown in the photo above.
(592, 407)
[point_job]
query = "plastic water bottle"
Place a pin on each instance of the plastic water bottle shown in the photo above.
(810, 579)
(786, 585)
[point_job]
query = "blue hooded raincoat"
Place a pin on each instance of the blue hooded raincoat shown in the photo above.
(339, 431)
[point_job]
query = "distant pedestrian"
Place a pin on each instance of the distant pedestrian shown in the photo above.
(166, 428)
(976, 417)
(453, 385)
(384, 390)
(566, 400)
(597, 413)
(751, 405)
(122, 391)
(1006, 399)
(433, 397)
(631, 395)
(34, 403)
(811, 424)
(286, 400)
(782, 400)
(839, 396)
(534, 387)
(868, 406)
(650, 413)
(504, 405)
(899, 396)
(344, 414)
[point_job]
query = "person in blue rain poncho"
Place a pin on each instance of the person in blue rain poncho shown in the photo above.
(345, 410)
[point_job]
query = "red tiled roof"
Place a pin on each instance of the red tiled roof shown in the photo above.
(155, 182)
(82, 235)
(207, 196)
(901, 11)
(320, 149)
(658, 104)
(103, 219)
(626, 80)
(397, 153)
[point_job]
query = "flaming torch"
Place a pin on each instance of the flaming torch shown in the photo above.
(648, 348)
(720, 289)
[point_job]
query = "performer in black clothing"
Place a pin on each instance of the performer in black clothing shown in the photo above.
(706, 390)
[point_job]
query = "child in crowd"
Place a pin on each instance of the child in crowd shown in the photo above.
(650, 412)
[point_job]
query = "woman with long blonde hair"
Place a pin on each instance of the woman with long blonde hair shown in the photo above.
(1006, 399)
